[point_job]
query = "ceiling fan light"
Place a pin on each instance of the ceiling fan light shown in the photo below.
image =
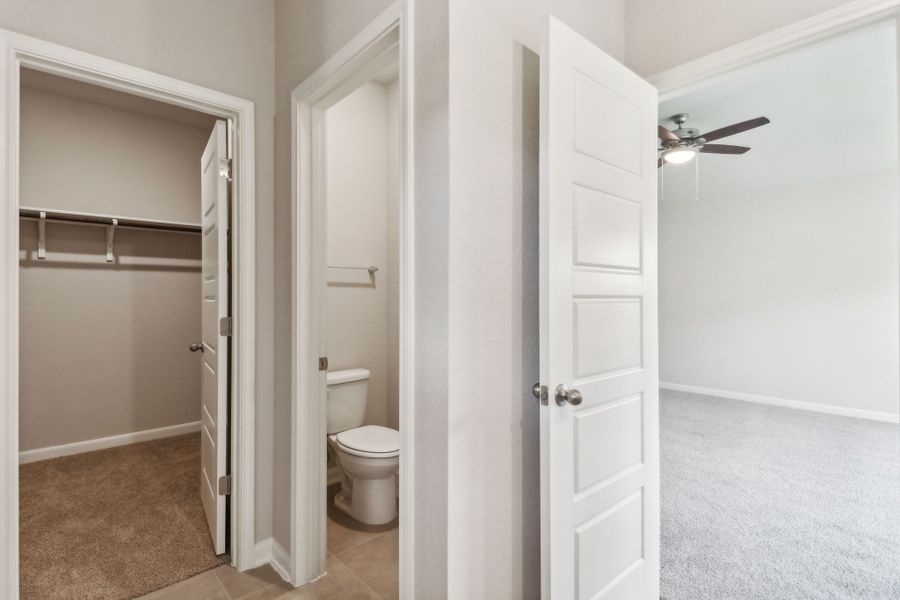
(679, 155)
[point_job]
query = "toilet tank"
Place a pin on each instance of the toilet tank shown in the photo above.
(346, 402)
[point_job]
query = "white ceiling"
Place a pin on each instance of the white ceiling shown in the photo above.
(79, 90)
(833, 108)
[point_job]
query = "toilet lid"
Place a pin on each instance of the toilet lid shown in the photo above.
(371, 439)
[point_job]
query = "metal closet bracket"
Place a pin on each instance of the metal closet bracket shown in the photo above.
(110, 240)
(42, 236)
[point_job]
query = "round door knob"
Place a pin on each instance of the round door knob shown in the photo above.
(564, 395)
(196, 347)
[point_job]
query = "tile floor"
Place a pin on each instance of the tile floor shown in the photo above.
(362, 565)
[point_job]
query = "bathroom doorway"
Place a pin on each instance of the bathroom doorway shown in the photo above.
(360, 330)
(350, 308)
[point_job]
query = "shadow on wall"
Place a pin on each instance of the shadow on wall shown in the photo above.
(527, 65)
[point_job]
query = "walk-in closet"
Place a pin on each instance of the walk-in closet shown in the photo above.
(122, 424)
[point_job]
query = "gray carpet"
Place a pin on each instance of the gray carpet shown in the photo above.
(769, 503)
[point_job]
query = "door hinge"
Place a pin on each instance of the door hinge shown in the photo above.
(226, 326)
(225, 168)
(225, 485)
(323, 363)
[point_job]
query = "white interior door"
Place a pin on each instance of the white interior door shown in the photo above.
(214, 382)
(599, 452)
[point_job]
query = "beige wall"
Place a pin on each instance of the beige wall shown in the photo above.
(360, 307)
(104, 346)
(192, 41)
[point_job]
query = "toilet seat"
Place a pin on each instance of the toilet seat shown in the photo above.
(370, 441)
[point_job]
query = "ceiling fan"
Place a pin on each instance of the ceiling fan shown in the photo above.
(683, 143)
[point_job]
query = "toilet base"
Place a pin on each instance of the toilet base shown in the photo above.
(372, 501)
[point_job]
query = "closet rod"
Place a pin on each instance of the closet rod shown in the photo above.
(62, 216)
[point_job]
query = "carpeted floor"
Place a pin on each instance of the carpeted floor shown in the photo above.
(769, 503)
(113, 524)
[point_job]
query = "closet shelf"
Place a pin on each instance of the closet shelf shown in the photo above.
(79, 218)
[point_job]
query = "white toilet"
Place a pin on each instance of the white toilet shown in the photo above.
(367, 455)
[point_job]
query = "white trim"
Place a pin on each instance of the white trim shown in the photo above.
(30, 456)
(280, 559)
(384, 40)
(21, 50)
(262, 552)
(843, 411)
(407, 308)
(704, 71)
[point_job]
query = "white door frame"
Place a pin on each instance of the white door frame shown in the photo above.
(384, 40)
(22, 51)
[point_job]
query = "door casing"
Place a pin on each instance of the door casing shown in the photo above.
(20, 51)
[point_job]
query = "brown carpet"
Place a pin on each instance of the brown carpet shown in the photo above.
(113, 524)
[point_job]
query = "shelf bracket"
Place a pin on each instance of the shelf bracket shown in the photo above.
(42, 236)
(110, 240)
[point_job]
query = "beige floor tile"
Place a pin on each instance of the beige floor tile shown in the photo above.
(376, 563)
(205, 586)
(345, 533)
(239, 584)
(339, 583)
(283, 591)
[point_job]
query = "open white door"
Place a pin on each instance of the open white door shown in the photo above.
(214, 379)
(599, 451)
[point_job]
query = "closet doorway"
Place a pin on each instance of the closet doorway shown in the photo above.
(128, 337)
(123, 289)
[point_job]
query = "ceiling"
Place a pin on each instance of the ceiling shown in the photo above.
(79, 90)
(833, 108)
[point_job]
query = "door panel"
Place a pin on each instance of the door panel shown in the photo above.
(598, 302)
(214, 377)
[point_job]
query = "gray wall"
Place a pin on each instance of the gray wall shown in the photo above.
(103, 347)
(751, 301)
(193, 41)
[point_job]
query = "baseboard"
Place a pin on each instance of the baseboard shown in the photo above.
(29, 456)
(872, 415)
(262, 553)
(281, 561)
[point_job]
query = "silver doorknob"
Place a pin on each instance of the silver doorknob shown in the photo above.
(564, 395)
(197, 347)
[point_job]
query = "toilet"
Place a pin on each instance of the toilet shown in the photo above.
(368, 456)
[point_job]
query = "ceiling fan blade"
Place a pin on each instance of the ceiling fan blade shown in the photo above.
(723, 149)
(666, 135)
(659, 163)
(733, 129)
